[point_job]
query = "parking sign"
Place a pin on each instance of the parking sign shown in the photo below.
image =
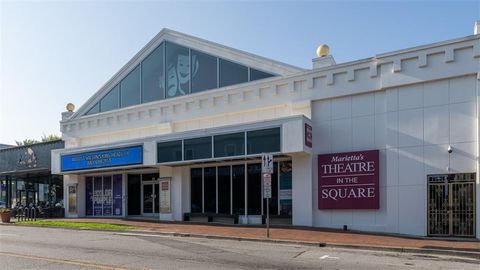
(267, 163)
(267, 185)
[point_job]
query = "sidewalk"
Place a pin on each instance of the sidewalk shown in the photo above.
(306, 235)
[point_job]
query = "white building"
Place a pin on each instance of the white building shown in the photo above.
(186, 145)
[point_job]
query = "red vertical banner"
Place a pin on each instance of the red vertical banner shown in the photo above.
(349, 180)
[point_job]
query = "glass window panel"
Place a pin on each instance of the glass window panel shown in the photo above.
(238, 189)
(169, 151)
(134, 192)
(107, 196)
(153, 77)
(204, 71)
(150, 176)
(263, 141)
(285, 188)
(210, 189)
(130, 88)
(232, 73)
(178, 70)
(198, 148)
(95, 109)
(196, 190)
(224, 190)
(258, 75)
(254, 185)
(229, 145)
(111, 101)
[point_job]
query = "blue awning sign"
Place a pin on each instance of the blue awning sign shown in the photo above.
(103, 159)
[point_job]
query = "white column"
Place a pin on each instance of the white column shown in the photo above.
(302, 193)
(69, 180)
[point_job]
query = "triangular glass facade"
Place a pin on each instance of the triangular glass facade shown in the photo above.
(173, 70)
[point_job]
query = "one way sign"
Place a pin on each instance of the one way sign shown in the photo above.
(267, 163)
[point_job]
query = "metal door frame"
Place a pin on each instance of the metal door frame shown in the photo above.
(155, 197)
(449, 182)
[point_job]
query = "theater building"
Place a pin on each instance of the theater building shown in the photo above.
(383, 144)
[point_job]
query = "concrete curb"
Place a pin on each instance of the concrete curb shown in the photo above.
(449, 252)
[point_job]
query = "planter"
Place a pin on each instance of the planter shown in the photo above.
(5, 217)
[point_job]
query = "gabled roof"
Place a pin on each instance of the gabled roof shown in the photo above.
(235, 55)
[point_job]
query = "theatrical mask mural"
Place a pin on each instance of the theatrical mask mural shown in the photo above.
(171, 70)
(179, 69)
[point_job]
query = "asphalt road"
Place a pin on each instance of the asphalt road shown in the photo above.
(47, 248)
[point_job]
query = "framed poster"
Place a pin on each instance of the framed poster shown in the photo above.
(72, 199)
(165, 188)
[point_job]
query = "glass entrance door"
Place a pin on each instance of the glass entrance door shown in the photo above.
(151, 203)
(148, 198)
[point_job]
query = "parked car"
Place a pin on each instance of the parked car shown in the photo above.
(3, 204)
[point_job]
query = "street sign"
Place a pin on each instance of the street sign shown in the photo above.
(267, 185)
(267, 163)
(267, 194)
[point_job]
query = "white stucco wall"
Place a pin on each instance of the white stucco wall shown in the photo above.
(412, 126)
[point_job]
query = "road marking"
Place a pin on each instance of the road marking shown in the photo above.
(64, 261)
(328, 257)
(7, 234)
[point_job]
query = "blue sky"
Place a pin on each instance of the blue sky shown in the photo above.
(52, 53)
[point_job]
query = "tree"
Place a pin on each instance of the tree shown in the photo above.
(26, 142)
(45, 138)
(51, 137)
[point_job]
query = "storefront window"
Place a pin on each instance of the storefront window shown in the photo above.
(178, 70)
(196, 190)
(204, 71)
(254, 189)
(232, 73)
(285, 196)
(238, 189)
(134, 193)
(153, 76)
(169, 151)
(103, 195)
(210, 192)
(224, 190)
(198, 148)
(111, 101)
(263, 141)
(97, 196)
(229, 144)
(3, 193)
(130, 88)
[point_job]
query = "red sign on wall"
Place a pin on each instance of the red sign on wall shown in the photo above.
(348, 180)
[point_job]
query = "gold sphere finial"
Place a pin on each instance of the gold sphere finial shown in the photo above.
(323, 50)
(70, 107)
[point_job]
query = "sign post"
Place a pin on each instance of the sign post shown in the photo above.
(267, 170)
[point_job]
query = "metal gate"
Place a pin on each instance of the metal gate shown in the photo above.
(451, 205)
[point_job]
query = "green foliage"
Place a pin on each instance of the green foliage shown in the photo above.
(45, 138)
(26, 142)
(77, 225)
(51, 137)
